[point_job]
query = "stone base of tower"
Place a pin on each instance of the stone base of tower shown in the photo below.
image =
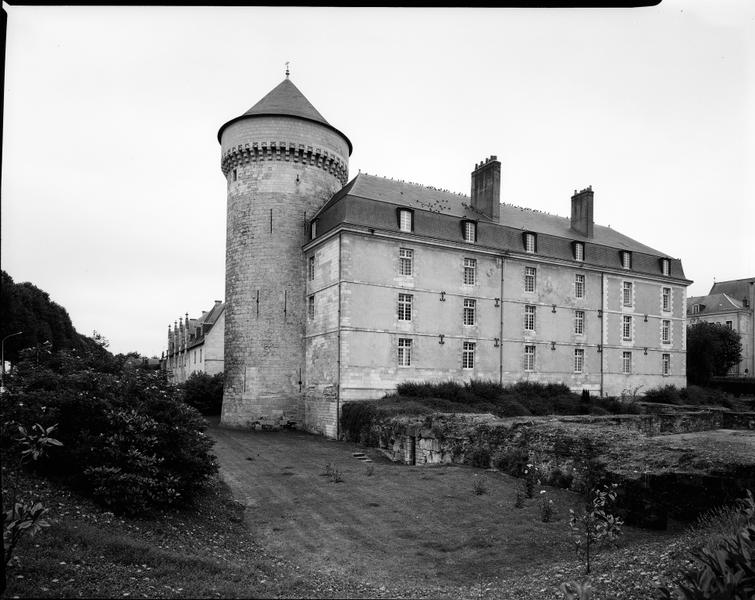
(262, 412)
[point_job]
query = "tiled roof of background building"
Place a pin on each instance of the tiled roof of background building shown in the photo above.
(713, 303)
(736, 288)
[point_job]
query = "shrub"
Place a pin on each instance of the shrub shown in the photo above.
(512, 461)
(128, 440)
(724, 566)
(697, 395)
(356, 420)
(546, 507)
(204, 392)
(480, 457)
(480, 486)
(667, 394)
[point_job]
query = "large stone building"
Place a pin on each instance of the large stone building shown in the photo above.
(337, 290)
(196, 345)
(730, 303)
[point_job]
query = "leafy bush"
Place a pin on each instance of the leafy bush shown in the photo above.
(204, 392)
(512, 461)
(356, 419)
(697, 395)
(480, 457)
(724, 566)
(128, 440)
(667, 394)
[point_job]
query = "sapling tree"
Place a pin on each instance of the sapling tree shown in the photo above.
(594, 527)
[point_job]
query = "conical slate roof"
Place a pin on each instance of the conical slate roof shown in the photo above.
(285, 99)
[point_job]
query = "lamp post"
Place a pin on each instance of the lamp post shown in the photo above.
(2, 358)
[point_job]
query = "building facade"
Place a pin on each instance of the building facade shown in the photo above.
(730, 303)
(196, 345)
(338, 291)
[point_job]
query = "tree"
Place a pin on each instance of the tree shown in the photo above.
(712, 349)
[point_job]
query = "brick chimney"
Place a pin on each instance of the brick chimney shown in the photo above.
(581, 212)
(486, 187)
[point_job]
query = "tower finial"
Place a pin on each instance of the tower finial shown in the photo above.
(287, 71)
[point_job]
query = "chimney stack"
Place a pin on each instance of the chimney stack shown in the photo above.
(486, 187)
(581, 212)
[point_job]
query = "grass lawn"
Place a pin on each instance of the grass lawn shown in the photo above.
(385, 530)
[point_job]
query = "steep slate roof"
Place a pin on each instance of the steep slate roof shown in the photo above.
(285, 99)
(736, 288)
(513, 220)
(713, 303)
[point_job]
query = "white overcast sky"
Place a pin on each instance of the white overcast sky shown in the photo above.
(112, 195)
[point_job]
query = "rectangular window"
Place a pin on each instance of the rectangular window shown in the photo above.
(405, 258)
(405, 307)
(404, 352)
(666, 299)
(579, 322)
(626, 259)
(626, 362)
(311, 268)
(666, 331)
(469, 310)
(529, 358)
(311, 307)
(195, 356)
(200, 355)
(665, 266)
(235, 175)
(695, 309)
(529, 242)
(626, 296)
(730, 324)
(470, 268)
(530, 274)
(626, 330)
(579, 360)
(529, 317)
(470, 231)
(405, 220)
(666, 364)
(467, 355)
(579, 286)
(314, 227)
(579, 251)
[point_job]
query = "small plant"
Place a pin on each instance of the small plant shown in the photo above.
(546, 507)
(594, 527)
(21, 517)
(519, 499)
(480, 486)
(530, 480)
(333, 473)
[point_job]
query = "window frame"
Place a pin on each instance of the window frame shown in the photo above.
(666, 331)
(467, 226)
(530, 354)
(311, 306)
(579, 360)
(666, 299)
(405, 306)
(579, 322)
(530, 314)
(580, 285)
(406, 257)
(578, 251)
(313, 229)
(528, 236)
(470, 268)
(469, 314)
(410, 214)
(625, 256)
(468, 354)
(666, 364)
(530, 274)
(627, 292)
(626, 362)
(404, 356)
(626, 328)
(311, 268)
(665, 264)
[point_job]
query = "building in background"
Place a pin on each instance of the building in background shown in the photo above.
(338, 290)
(196, 345)
(730, 303)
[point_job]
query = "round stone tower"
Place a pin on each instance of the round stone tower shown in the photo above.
(282, 161)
